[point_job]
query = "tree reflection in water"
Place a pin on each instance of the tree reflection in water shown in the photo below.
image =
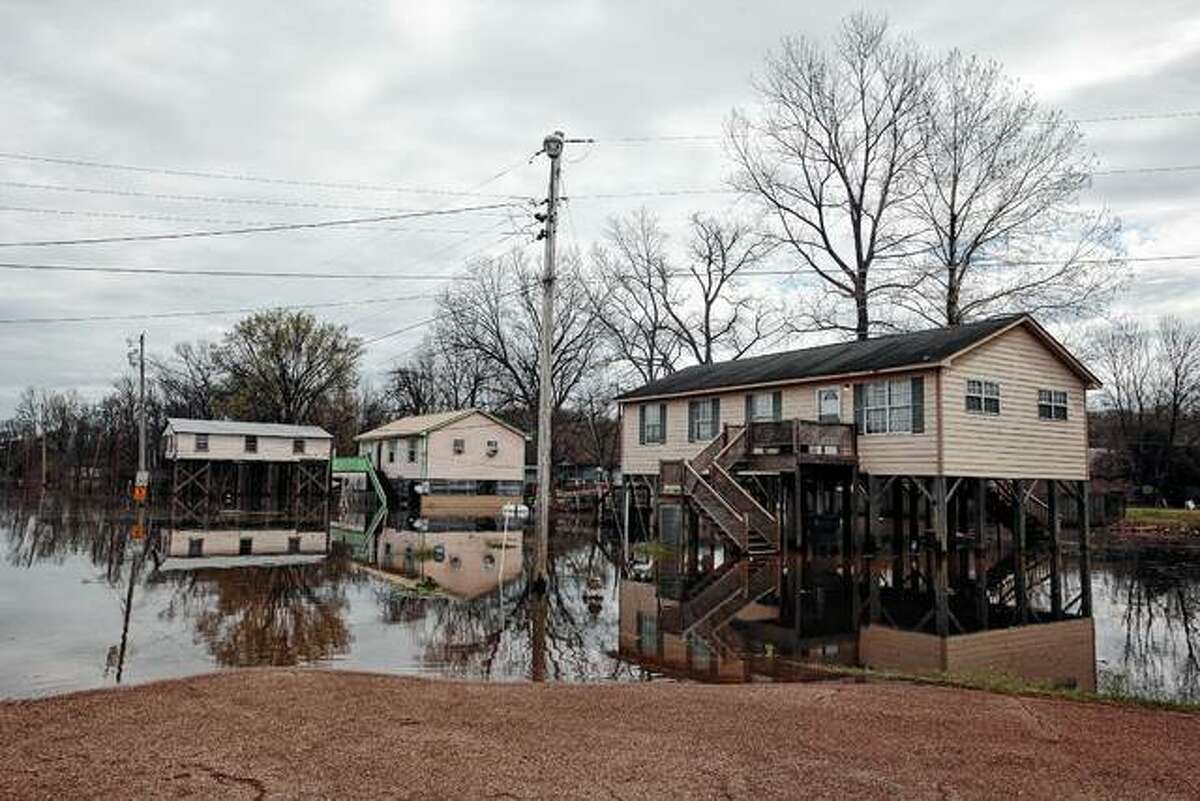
(1158, 601)
(268, 615)
(512, 634)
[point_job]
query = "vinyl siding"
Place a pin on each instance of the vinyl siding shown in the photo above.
(883, 453)
(1015, 443)
(400, 467)
(473, 463)
(232, 447)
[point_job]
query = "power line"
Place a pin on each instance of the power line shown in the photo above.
(256, 229)
(115, 215)
(205, 312)
(258, 179)
(120, 270)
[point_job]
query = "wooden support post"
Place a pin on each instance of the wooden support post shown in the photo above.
(914, 527)
(1052, 511)
(1019, 591)
(850, 553)
(1085, 550)
(692, 521)
(899, 543)
(871, 549)
(941, 522)
(981, 562)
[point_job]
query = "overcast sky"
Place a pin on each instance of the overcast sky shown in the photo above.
(445, 96)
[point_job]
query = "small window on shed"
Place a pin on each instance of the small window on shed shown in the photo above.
(298, 446)
(251, 443)
(460, 445)
(202, 443)
(983, 397)
(1052, 404)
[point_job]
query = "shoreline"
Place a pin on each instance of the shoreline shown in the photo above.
(286, 732)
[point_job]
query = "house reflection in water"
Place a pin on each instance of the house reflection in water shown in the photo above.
(466, 565)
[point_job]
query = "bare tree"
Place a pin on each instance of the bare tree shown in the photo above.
(495, 318)
(717, 318)
(191, 380)
(998, 204)
(1179, 346)
(831, 156)
(631, 296)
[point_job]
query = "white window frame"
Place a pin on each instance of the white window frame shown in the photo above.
(202, 443)
(837, 393)
(493, 447)
(660, 435)
(895, 389)
(1058, 399)
(412, 450)
(987, 392)
(250, 443)
(699, 434)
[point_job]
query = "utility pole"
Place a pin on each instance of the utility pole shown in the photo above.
(142, 402)
(552, 145)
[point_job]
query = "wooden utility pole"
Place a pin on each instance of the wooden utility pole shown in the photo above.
(552, 145)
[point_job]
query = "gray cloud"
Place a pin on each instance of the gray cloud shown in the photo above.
(446, 95)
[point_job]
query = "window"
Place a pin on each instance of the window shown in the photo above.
(653, 422)
(829, 405)
(298, 446)
(202, 443)
(391, 451)
(460, 445)
(1052, 404)
(703, 419)
(763, 406)
(888, 407)
(412, 450)
(251, 444)
(983, 397)
(195, 546)
(493, 447)
(245, 546)
(293, 545)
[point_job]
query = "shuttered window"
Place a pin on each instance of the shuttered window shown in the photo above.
(763, 407)
(704, 417)
(891, 407)
(652, 423)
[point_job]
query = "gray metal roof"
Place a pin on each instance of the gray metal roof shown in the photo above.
(183, 425)
(841, 358)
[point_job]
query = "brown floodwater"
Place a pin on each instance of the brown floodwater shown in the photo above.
(80, 607)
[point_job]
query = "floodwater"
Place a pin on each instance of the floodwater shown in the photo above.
(80, 609)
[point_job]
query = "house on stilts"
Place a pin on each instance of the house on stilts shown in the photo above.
(244, 488)
(898, 502)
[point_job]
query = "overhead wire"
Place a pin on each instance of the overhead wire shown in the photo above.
(255, 229)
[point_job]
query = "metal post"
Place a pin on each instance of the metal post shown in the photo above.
(141, 402)
(553, 146)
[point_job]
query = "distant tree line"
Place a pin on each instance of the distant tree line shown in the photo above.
(1146, 425)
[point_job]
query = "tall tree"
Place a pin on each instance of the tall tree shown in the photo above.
(495, 317)
(282, 365)
(830, 156)
(630, 294)
(718, 319)
(191, 380)
(998, 209)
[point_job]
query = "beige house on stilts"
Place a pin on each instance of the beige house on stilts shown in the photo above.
(903, 497)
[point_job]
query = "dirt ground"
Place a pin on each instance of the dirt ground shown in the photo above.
(317, 734)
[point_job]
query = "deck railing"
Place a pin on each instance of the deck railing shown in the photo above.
(802, 436)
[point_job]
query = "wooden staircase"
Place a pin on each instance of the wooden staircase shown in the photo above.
(730, 506)
(732, 587)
